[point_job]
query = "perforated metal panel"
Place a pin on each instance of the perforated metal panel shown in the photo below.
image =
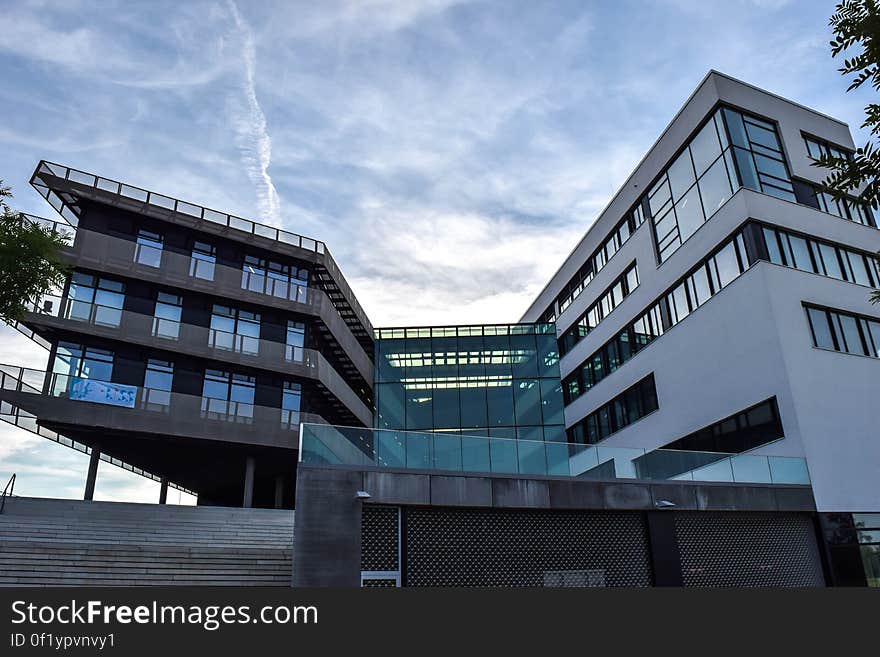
(748, 549)
(380, 545)
(491, 547)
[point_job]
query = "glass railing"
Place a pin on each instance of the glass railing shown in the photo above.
(353, 446)
(31, 381)
(165, 204)
(208, 341)
(193, 414)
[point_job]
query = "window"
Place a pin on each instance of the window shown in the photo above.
(844, 332)
(228, 396)
(148, 250)
(818, 148)
(202, 261)
(95, 300)
(166, 318)
(704, 281)
(745, 430)
(631, 405)
(611, 245)
(291, 400)
(76, 360)
(274, 278)
(610, 299)
(697, 183)
(807, 254)
(234, 330)
(156, 393)
(295, 341)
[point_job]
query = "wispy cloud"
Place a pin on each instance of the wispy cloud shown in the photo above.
(252, 133)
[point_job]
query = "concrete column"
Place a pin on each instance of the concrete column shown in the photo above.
(279, 491)
(92, 475)
(249, 466)
(163, 491)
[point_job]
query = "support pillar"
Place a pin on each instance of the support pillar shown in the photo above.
(163, 491)
(92, 475)
(249, 466)
(279, 491)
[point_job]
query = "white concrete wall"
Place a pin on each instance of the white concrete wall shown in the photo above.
(751, 341)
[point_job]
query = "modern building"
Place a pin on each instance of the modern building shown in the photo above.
(687, 402)
(189, 344)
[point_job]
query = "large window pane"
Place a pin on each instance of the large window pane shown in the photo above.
(821, 330)
(715, 187)
(681, 175)
(689, 213)
(705, 148)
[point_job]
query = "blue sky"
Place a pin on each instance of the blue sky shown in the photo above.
(450, 153)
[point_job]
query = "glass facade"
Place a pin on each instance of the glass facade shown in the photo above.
(95, 300)
(500, 381)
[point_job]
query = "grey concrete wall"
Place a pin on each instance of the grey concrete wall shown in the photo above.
(327, 543)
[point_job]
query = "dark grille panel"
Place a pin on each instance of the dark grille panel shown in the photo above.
(483, 547)
(748, 549)
(379, 538)
(379, 583)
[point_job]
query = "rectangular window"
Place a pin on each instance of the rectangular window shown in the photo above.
(621, 288)
(76, 360)
(629, 406)
(95, 300)
(228, 396)
(234, 330)
(166, 318)
(202, 261)
(274, 278)
(295, 341)
(844, 332)
(148, 250)
(156, 393)
(808, 254)
(707, 279)
(291, 400)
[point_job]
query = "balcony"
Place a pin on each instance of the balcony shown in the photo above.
(63, 187)
(115, 255)
(323, 444)
(52, 314)
(49, 402)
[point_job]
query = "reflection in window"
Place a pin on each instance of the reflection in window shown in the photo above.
(295, 341)
(202, 261)
(608, 301)
(95, 300)
(844, 332)
(233, 329)
(693, 188)
(706, 280)
(156, 393)
(166, 318)
(274, 278)
(148, 250)
(291, 400)
(75, 360)
(629, 406)
(228, 396)
(808, 254)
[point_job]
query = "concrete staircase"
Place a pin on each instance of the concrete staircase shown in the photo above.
(48, 542)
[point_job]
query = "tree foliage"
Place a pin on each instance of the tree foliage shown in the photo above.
(856, 26)
(30, 265)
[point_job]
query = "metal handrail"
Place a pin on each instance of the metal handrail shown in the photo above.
(7, 492)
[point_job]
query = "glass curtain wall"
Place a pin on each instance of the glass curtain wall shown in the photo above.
(500, 381)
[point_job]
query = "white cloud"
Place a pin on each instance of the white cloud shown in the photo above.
(252, 134)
